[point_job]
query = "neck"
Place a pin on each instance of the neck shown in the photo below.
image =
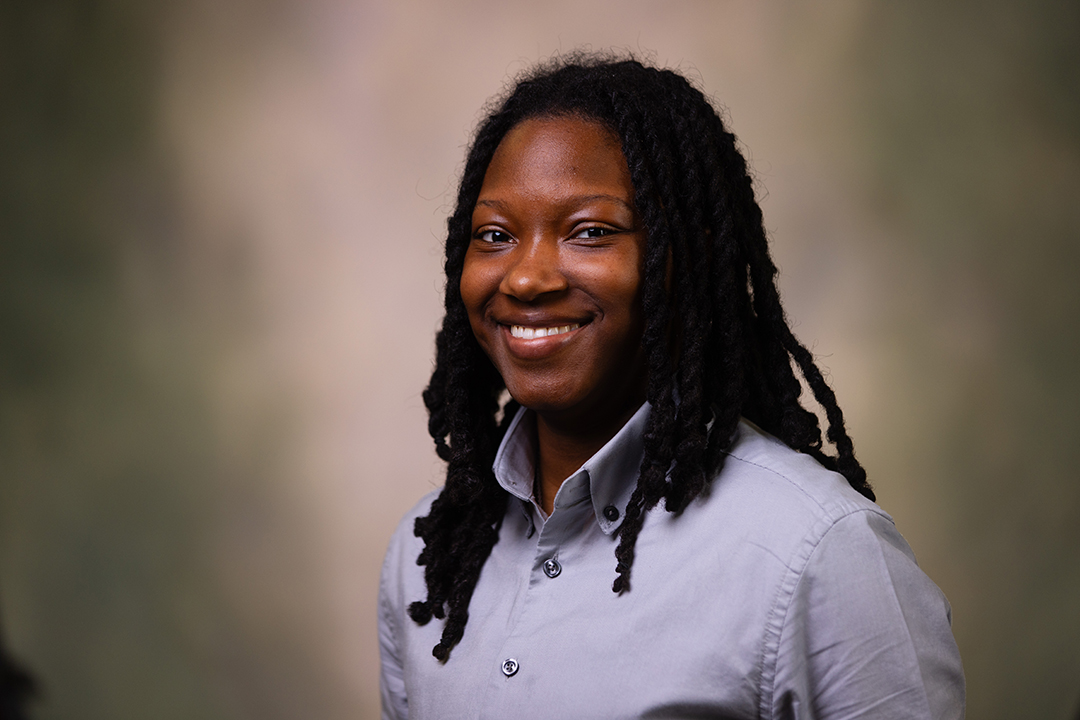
(563, 447)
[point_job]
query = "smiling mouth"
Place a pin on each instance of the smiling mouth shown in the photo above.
(529, 333)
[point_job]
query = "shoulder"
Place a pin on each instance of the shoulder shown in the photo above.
(849, 582)
(397, 587)
(401, 554)
(408, 520)
(403, 534)
(762, 523)
(791, 476)
(785, 498)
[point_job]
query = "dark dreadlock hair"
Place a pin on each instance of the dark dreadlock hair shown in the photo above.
(708, 282)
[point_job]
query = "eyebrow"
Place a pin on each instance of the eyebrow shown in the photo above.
(579, 200)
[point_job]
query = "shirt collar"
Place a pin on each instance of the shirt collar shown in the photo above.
(608, 477)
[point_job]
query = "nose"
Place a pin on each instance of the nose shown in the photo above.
(534, 271)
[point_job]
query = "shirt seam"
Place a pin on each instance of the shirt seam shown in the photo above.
(786, 479)
(787, 590)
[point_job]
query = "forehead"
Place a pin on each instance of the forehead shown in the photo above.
(552, 153)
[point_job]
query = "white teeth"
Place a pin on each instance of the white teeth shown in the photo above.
(528, 333)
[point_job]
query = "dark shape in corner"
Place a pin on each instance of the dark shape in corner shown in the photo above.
(16, 687)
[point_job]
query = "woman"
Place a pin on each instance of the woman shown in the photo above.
(607, 266)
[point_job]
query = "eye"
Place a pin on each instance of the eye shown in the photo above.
(593, 232)
(492, 236)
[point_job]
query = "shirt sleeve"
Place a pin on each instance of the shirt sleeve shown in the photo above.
(866, 634)
(392, 672)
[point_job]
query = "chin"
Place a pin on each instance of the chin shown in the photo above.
(543, 402)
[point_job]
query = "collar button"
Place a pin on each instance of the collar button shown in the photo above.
(611, 513)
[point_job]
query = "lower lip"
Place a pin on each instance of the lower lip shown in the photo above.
(537, 348)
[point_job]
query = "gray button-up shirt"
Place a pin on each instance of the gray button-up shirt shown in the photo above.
(782, 594)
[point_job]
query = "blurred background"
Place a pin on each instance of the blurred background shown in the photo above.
(220, 237)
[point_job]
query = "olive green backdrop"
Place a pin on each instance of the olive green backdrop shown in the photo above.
(219, 281)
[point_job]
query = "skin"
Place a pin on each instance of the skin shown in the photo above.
(557, 243)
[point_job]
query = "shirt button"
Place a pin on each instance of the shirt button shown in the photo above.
(509, 667)
(611, 513)
(552, 568)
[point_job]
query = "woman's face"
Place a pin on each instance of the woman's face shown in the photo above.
(552, 275)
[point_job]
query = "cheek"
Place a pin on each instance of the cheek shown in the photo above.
(479, 280)
(617, 287)
(472, 286)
